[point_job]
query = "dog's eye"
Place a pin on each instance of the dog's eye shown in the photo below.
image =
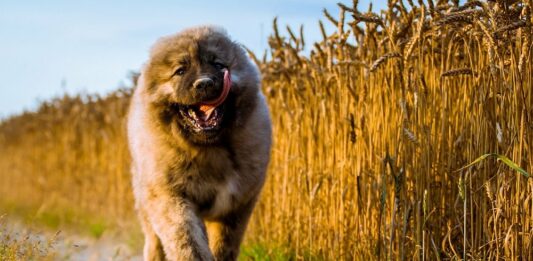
(219, 66)
(180, 71)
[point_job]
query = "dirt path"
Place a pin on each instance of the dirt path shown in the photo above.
(69, 246)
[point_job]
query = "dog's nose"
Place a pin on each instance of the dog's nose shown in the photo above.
(203, 83)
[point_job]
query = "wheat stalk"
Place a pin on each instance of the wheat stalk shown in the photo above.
(456, 72)
(382, 59)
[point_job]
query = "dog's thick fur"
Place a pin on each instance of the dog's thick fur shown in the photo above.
(195, 190)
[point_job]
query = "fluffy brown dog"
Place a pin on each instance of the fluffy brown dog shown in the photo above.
(199, 134)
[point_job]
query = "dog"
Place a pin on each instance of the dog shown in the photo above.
(199, 133)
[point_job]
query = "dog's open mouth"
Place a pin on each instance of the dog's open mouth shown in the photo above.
(208, 115)
(202, 119)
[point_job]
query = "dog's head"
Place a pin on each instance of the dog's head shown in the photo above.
(200, 84)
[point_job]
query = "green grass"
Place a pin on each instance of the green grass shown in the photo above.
(56, 218)
(272, 252)
(87, 224)
(261, 252)
(502, 158)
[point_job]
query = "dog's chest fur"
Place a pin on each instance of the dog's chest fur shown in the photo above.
(210, 180)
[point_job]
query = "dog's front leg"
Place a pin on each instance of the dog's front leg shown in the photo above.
(226, 233)
(181, 231)
(153, 250)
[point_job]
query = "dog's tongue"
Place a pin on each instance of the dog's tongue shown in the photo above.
(208, 107)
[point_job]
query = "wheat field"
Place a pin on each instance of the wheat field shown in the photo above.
(372, 130)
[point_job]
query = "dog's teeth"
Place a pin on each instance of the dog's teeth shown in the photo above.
(192, 113)
(209, 112)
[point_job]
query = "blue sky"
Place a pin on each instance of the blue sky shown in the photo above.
(48, 48)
